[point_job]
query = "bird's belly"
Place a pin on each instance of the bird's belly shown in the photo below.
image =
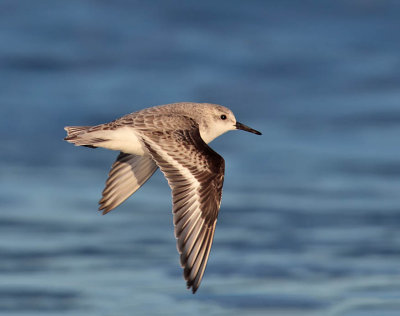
(123, 139)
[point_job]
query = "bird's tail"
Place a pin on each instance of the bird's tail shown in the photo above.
(82, 136)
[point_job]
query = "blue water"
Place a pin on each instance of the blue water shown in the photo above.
(310, 216)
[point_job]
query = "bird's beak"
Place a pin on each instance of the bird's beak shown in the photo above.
(246, 128)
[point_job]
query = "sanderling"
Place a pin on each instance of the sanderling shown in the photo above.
(173, 137)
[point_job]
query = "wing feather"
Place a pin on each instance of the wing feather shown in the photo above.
(195, 174)
(128, 173)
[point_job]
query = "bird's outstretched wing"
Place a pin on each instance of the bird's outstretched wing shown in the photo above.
(195, 174)
(128, 173)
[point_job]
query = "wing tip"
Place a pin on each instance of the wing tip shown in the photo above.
(103, 208)
(193, 288)
(190, 283)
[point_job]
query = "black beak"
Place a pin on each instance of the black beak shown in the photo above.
(246, 128)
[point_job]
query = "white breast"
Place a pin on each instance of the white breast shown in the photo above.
(210, 133)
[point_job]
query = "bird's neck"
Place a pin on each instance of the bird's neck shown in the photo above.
(209, 134)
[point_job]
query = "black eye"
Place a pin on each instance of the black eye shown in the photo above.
(223, 117)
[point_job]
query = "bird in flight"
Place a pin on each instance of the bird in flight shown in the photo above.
(174, 138)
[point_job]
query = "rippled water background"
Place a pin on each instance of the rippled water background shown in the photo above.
(310, 218)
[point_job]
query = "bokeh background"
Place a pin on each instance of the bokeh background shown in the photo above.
(310, 218)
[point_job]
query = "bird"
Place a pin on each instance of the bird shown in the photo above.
(173, 137)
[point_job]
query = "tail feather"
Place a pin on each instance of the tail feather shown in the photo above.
(73, 130)
(80, 136)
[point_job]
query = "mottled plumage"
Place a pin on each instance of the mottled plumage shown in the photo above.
(174, 138)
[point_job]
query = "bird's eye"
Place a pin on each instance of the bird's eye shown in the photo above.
(223, 117)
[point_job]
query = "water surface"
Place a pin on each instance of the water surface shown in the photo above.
(310, 219)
